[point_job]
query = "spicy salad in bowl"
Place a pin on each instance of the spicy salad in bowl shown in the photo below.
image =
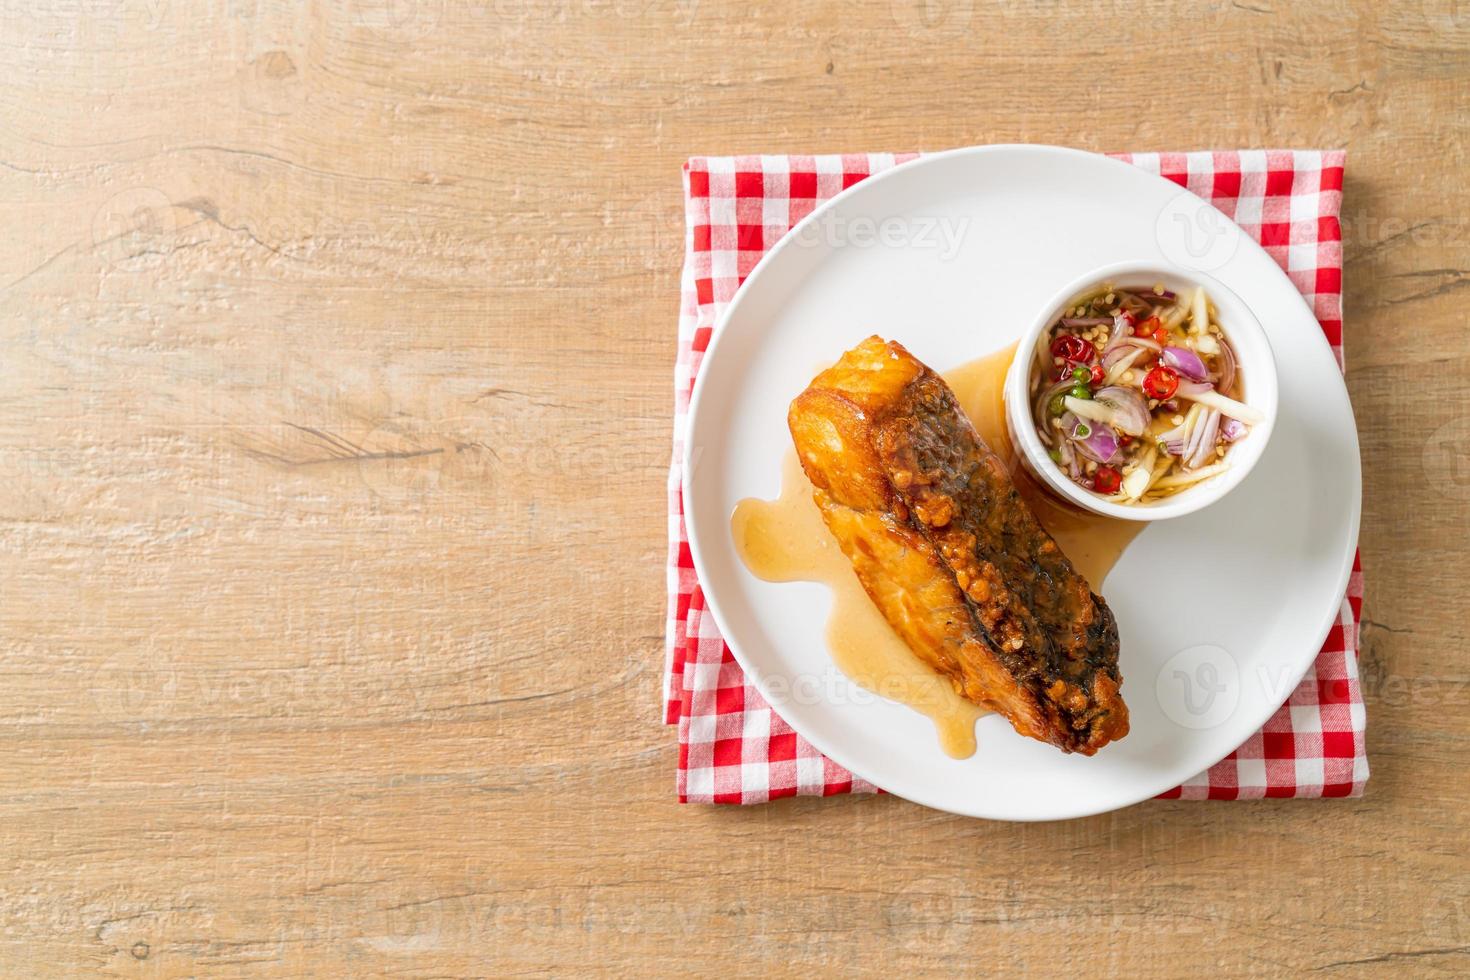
(1142, 392)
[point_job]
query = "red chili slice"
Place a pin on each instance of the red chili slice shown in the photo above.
(1070, 347)
(1161, 382)
(1106, 480)
(1147, 327)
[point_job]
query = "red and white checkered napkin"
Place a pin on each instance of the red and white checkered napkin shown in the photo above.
(732, 747)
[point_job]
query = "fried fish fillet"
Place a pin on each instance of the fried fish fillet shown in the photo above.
(949, 552)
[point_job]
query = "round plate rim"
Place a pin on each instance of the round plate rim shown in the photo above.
(839, 754)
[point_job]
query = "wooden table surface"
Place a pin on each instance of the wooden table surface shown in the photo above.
(336, 349)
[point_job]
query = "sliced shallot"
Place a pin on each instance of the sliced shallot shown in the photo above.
(1186, 362)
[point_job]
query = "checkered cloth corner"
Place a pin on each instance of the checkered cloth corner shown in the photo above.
(732, 747)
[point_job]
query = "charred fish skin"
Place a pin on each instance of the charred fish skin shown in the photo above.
(1042, 620)
(991, 602)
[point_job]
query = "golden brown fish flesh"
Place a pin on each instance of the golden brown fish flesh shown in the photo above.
(949, 552)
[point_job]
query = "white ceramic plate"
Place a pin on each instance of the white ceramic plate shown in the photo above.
(1220, 613)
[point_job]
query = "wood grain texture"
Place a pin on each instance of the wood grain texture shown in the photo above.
(335, 354)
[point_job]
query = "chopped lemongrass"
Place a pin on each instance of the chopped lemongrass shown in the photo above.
(1199, 315)
(1184, 479)
(1088, 409)
(1121, 366)
(1167, 435)
(1136, 483)
(1165, 463)
(1226, 406)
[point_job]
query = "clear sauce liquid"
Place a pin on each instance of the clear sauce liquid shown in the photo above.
(785, 540)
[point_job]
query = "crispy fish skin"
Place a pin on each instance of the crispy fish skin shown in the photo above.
(949, 552)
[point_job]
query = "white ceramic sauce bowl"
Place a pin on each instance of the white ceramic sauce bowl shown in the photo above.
(1254, 358)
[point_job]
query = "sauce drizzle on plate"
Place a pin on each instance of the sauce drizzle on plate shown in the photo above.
(785, 540)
